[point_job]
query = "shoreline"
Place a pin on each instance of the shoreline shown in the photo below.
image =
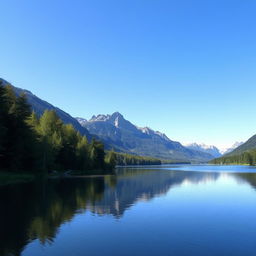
(12, 178)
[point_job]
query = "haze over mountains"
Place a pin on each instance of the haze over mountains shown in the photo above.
(121, 135)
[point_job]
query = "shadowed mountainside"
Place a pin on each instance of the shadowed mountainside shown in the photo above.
(126, 137)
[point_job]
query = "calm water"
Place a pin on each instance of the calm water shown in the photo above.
(169, 210)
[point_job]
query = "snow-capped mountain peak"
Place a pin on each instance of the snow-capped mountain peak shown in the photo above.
(210, 149)
(99, 118)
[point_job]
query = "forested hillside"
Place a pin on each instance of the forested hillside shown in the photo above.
(247, 157)
(244, 154)
(32, 143)
(39, 106)
(128, 159)
(248, 145)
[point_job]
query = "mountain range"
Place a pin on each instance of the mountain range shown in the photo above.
(121, 135)
(212, 150)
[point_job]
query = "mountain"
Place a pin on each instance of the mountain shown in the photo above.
(212, 150)
(248, 145)
(124, 136)
(233, 147)
(39, 106)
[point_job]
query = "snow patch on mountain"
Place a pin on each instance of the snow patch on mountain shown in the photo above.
(82, 121)
(210, 149)
(149, 131)
(229, 149)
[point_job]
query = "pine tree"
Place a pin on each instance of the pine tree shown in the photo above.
(67, 154)
(97, 155)
(49, 130)
(111, 159)
(82, 154)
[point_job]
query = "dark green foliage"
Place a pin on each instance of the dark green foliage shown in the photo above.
(111, 159)
(97, 154)
(39, 106)
(247, 157)
(17, 137)
(82, 154)
(128, 159)
(29, 143)
(32, 144)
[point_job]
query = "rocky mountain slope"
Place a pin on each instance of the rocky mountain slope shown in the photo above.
(212, 150)
(124, 136)
(120, 134)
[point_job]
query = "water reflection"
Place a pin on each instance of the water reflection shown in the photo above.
(139, 184)
(37, 210)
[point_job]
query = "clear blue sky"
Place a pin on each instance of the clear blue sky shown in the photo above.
(184, 67)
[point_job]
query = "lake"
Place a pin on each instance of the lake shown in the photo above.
(157, 210)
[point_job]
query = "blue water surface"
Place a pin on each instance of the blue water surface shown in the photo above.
(176, 210)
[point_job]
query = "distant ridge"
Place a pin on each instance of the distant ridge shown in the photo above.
(124, 136)
(120, 134)
(232, 148)
(248, 145)
(212, 150)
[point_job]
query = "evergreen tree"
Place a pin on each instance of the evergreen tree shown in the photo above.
(29, 143)
(49, 131)
(26, 137)
(97, 155)
(67, 154)
(82, 154)
(111, 159)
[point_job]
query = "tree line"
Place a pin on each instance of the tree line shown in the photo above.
(123, 159)
(32, 143)
(247, 157)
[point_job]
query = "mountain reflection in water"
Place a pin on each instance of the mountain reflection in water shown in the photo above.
(37, 210)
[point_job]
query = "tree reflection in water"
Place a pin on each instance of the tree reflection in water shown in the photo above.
(37, 210)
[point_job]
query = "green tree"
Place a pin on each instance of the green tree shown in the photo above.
(67, 154)
(50, 128)
(111, 159)
(97, 155)
(82, 154)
